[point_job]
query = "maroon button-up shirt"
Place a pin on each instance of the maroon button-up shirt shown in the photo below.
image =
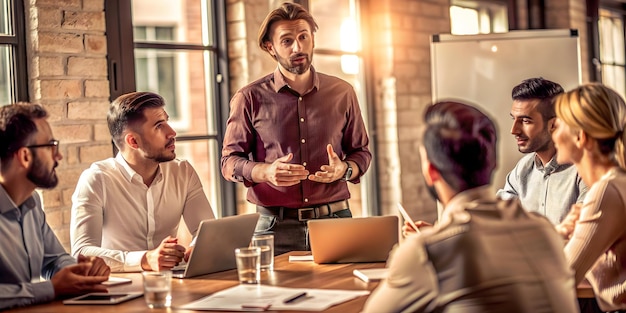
(268, 120)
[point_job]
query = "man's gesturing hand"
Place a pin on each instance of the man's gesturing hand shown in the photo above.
(280, 172)
(331, 172)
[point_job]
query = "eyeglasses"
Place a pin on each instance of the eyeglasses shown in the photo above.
(53, 143)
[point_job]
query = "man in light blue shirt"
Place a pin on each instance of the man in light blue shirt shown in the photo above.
(542, 185)
(29, 249)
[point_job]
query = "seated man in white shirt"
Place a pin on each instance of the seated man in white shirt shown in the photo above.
(485, 254)
(127, 209)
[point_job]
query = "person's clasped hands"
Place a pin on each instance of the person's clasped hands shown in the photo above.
(85, 276)
(167, 255)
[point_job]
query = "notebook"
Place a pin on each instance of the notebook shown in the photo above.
(216, 242)
(353, 240)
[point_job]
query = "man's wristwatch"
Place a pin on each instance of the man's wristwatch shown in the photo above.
(348, 173)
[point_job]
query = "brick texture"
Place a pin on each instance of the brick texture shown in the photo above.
(68, 75)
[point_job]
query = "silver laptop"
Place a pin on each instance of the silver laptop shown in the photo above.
(352, 240)
(216, 242)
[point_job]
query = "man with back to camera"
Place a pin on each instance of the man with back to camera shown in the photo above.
(541, 184)
(296, 136)
(485, 254)
(127, 209)
(29, 249)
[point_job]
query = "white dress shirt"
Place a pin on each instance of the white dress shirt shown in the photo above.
(117, 217)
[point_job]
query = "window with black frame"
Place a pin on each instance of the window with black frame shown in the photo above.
(173, 48)
(13, 81)
(612, 51)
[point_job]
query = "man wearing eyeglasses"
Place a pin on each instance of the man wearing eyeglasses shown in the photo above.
(29, 249)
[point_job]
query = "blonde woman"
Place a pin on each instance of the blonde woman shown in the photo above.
(590, 134)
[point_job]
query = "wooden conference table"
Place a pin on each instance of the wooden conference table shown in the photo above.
(285, 274)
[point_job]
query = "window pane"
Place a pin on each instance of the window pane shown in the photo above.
(179, 77)
(203, 156)
(179, 21)
(335, 65)
(6, 85)
(332, 15)
(614, 77)
(5, 17)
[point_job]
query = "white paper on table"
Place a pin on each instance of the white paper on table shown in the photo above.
(233, 298)
(301, 258)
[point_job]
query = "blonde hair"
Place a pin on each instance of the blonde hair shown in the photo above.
(598, 111)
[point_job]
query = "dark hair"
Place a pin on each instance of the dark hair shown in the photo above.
(127, 110)
(17, 126)
(460, 141)
(286, 12)
(539, 89)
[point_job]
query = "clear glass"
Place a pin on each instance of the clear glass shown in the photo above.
(157, 289)
(172, 21)
(205, 159)
(6, 22)
(6, 83)
(611, 29)
(478, 17)
(179, 76)
(248, 265)
(265, 242)
(333, 15)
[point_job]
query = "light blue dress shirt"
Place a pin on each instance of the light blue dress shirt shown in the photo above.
(549, 190)
(29, 251)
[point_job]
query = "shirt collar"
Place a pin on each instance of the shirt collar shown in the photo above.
(7, 204)
(551, 167)
(280, 83)
(461, 200)
(130, 174)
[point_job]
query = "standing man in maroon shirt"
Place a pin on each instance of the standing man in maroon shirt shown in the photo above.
(296, 136)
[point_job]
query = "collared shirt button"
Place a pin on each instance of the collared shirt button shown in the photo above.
(303, 140)
(302, 119)
(303, 163)
(306, 200)
(299, 98)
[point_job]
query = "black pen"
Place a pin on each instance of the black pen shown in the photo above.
(294, 297)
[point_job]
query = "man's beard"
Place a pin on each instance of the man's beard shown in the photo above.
(295, 69)
(163, 157)
(38, 174)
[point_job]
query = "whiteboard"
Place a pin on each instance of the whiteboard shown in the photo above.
(483, 69)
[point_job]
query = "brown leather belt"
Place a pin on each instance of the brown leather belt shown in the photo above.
(305, 214)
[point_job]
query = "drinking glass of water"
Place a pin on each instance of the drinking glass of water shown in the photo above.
(157, 289)
(266, 243)
(248, 264)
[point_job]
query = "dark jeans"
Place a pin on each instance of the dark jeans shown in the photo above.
(290, 234)
(590, 305)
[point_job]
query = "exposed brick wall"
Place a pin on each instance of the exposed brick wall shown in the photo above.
(400, 44)
(68, 76)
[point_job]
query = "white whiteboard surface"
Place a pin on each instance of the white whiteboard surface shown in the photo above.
(483, 69)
